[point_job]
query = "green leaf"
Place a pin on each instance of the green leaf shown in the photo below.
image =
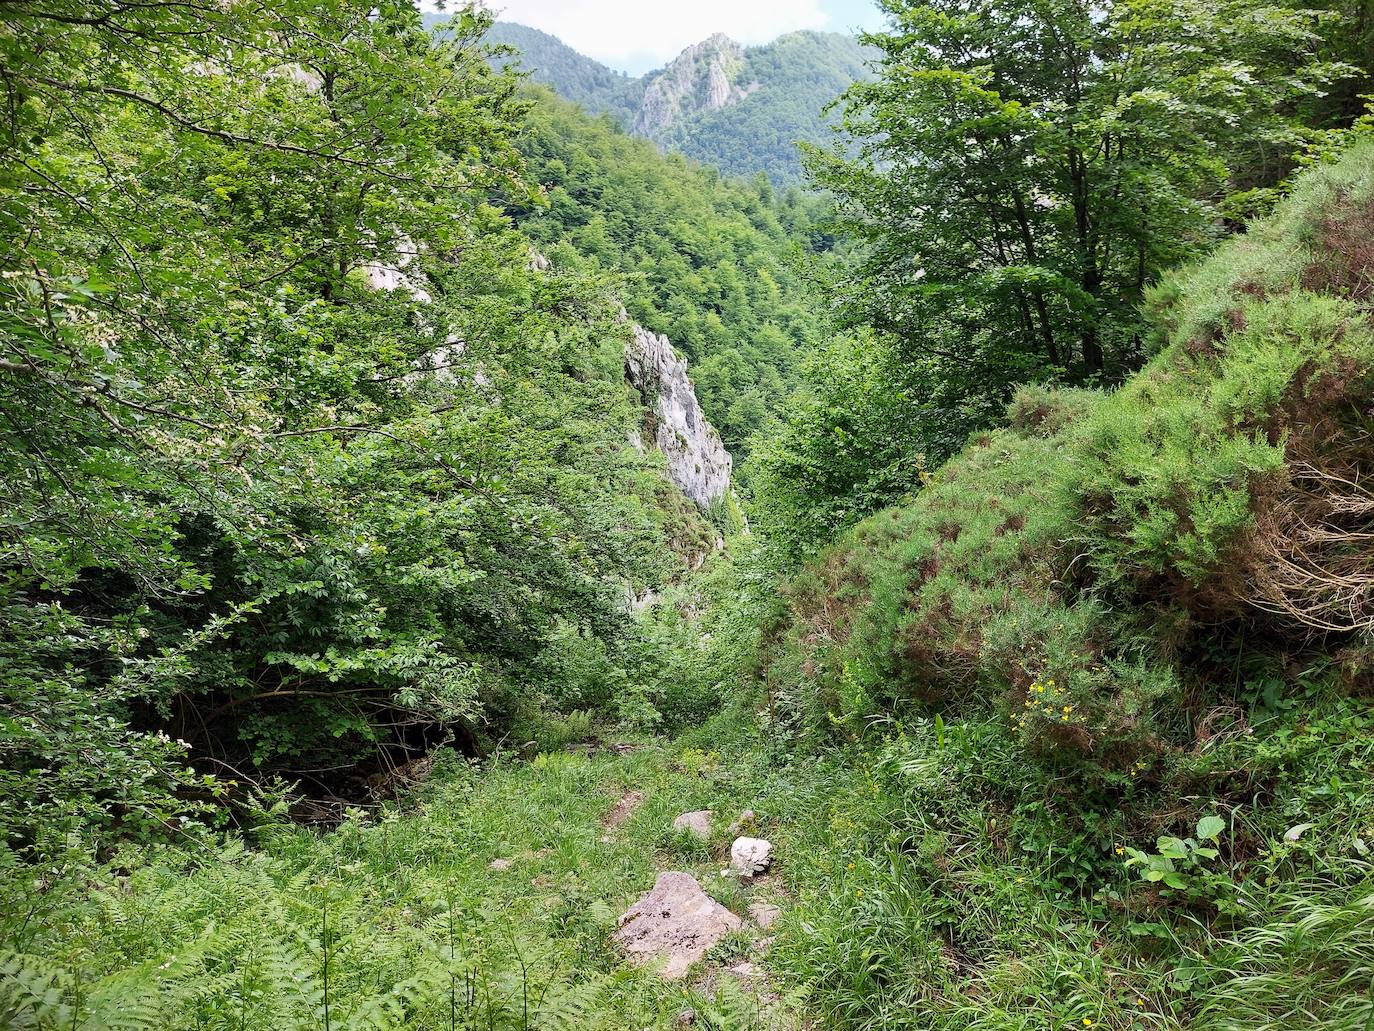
(1209, 827)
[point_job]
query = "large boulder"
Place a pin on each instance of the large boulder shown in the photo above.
(673, 925)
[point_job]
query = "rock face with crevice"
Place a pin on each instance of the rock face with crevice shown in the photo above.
(674, 925)
(700, 79)
(697, 460)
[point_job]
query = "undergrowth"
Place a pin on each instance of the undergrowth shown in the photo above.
(393, 920)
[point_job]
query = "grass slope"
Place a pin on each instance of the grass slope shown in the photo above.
(1126, 643)
(397, 919)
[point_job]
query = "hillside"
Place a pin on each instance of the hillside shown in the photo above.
(465, 566)
(711, 264)
(551, 62)
(780, 95)
(740, 109)
(1064, 783)
(1128, 640)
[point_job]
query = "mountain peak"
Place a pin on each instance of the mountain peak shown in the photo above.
(693, 104)
(700, 79)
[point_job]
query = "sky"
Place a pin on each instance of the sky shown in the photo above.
(636, 36)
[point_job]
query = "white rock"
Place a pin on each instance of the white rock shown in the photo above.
(674, 925)
(697, 460)
(700, 79)
(698, 822)
(750, 856)
(499, 864)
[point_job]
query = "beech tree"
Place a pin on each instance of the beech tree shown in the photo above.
(1028, 167)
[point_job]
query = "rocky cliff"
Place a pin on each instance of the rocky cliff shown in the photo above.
(698, 463)
(697, 460)
(700, 79)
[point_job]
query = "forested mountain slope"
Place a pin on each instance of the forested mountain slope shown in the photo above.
(743, 110)
(783, 91)
(715, 265)
(551, 62)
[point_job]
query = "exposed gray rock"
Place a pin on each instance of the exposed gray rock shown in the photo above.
(698, 822)
(393, 275)
(673, 925)
(750, 857)
(764, 914)
(697, 460)
(700, 79)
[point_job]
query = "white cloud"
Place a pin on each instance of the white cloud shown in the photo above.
(635, 35)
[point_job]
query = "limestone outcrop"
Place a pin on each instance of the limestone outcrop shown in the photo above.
(700, 79)
(674, 925)
(697, 460)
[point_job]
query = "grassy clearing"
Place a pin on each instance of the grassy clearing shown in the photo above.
(397, 920)
(930, 879)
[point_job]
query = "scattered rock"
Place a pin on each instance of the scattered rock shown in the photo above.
(750, 856)
(499, 864)
(764, 914)
(675, 924)
(745, 821)
(628, 803)
(699, 823)
(686, 1018)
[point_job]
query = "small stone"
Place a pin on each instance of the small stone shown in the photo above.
(686, 1018)
(499, 864)
(745, 971)
(698, 823)
(745, 821)
(675, 925)
(764, 914)
(749, 857)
